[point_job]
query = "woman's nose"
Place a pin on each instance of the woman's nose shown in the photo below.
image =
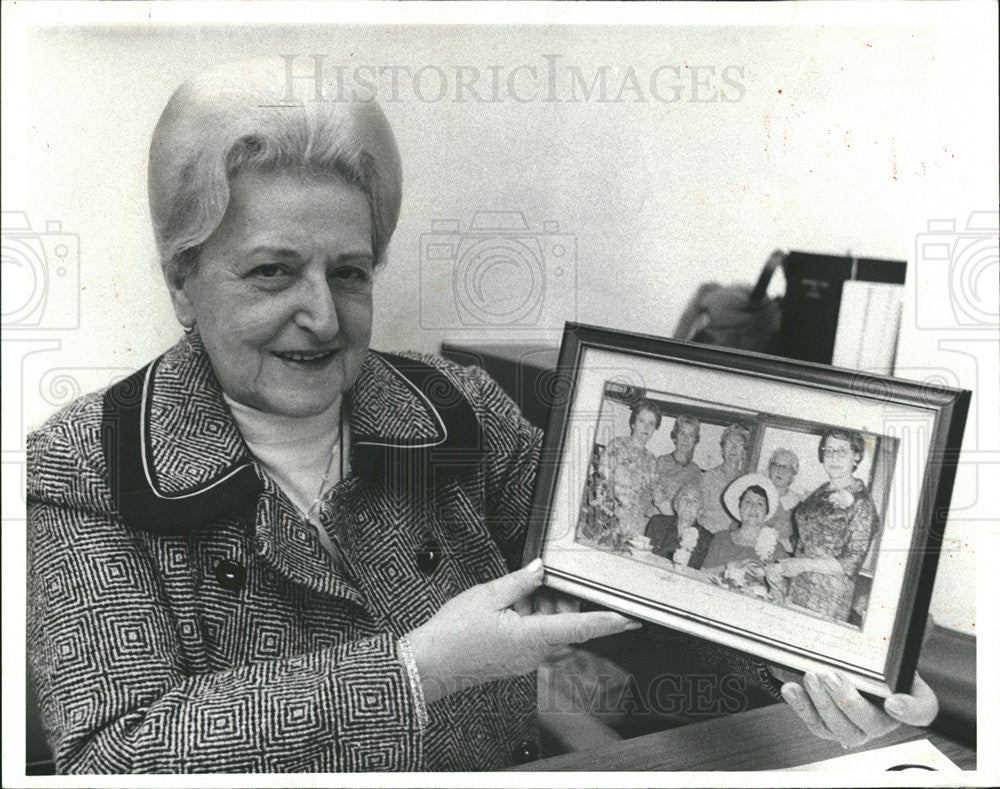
(317, 310)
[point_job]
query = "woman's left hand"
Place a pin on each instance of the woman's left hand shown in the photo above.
(833, 709)
(547, 601)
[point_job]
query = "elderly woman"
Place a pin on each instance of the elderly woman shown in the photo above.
(836, 524)
(630, 470)
(677, 469)
(274, 549)
(681, 537)
(714, 481)
(782, 469)
(749, 499)
(258, 552)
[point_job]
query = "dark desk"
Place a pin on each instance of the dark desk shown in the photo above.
(525, 372)
(768, 738)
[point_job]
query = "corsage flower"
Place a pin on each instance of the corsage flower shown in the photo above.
(689, 537)
(736, 574)
(767, 541)
(841, 499)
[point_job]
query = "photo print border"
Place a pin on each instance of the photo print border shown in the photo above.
(916, 431)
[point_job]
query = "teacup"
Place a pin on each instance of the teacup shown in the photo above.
(641, 543)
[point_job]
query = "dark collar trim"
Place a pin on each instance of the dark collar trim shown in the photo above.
(417, 378)
(126, 443)
(131, 475)
(146, 449)
(459, 439)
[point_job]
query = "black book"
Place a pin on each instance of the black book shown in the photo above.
(811, 306)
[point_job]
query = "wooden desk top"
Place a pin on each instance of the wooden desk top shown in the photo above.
(768, 738)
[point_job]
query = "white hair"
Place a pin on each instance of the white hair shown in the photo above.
(238, 117)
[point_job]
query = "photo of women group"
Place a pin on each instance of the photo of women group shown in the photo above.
(783, 509)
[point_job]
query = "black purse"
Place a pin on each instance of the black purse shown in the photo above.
(734, 316)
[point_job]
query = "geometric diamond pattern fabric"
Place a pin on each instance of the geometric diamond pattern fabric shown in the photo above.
(146, 662)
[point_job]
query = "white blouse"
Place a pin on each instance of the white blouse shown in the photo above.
(297, 453)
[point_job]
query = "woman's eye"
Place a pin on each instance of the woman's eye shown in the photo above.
(352, 277)
(267, 270)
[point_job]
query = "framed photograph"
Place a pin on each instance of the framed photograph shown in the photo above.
(786, 509)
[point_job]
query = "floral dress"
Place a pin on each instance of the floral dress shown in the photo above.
(630, 472)
(837, 524)
(743, 566)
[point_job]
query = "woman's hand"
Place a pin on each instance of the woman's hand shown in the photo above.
(789, 568)
(833, 709)
(478, 636)
(774, 573)
(545, 601)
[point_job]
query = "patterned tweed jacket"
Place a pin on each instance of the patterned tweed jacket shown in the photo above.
(183, 616)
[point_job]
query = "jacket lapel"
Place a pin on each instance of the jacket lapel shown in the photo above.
(193, 437)
(289, 545)
(174, 457)
(193, 443)
(411, 429)
(408, 424)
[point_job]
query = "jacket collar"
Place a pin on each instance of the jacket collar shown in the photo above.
(177, 458)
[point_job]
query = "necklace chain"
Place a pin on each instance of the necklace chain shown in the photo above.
(334, 447)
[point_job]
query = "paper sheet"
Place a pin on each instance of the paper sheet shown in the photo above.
(916, 756)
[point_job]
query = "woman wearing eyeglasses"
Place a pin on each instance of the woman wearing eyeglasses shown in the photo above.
(836, 523)
(782, 469)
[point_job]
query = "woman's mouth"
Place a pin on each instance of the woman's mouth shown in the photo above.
(305, 358)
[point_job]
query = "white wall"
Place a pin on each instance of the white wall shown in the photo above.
(843, 138)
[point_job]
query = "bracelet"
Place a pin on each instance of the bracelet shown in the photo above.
(405, 651)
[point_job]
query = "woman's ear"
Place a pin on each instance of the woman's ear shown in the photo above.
(179, 297)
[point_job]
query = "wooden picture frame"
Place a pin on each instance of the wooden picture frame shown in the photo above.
(858, 605)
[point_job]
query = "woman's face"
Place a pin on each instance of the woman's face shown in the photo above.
(643, 427)
(782, 472)
(838, 457)
(753, 508)
(685, 441)
(733, 450)
(687, 507)
(282, 294)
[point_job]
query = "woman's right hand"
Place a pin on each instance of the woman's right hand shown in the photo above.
(477, 636)
(774, 574)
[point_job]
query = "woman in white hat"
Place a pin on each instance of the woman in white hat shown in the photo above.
(750, 499)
